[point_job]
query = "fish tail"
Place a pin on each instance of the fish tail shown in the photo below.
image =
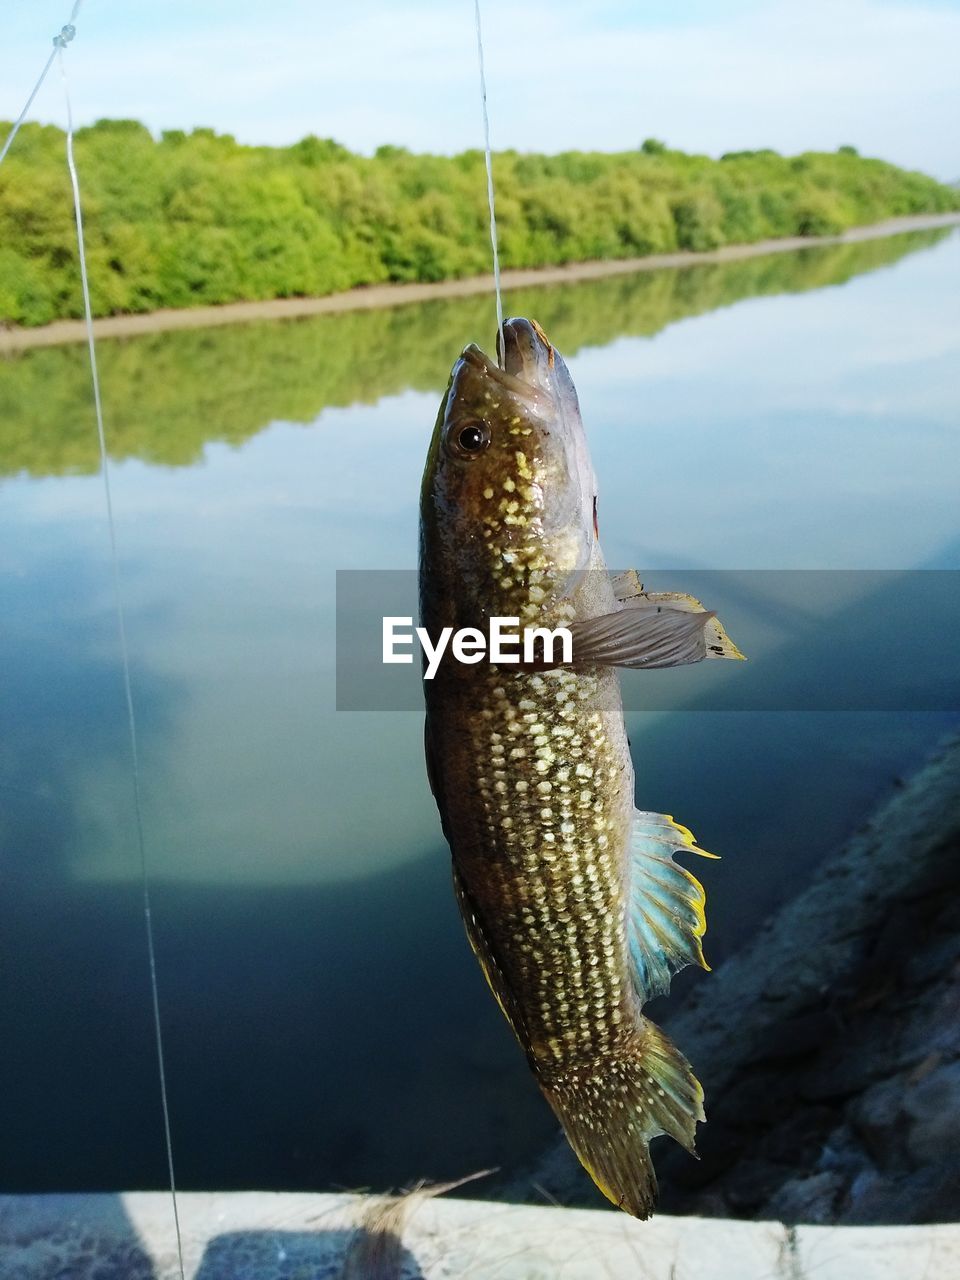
(610, 1109)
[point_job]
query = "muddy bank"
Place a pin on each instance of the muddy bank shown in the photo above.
(829, 1047)
(393, 295)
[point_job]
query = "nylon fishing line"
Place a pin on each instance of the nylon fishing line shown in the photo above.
(490, 199)
(124, 652)
(60, 43)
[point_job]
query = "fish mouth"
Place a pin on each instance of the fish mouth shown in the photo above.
(488, 368)
(527, 352)
(528, 357)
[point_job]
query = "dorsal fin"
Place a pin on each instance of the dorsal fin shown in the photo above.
(626, 585)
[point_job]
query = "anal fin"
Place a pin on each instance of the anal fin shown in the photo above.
(666, 919)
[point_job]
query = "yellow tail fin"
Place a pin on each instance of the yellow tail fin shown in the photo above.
(611, 1108)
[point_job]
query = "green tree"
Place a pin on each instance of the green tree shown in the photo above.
(193, 218)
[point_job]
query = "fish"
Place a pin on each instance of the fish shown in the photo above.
(571, 897)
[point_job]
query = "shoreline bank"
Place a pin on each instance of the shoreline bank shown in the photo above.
(372, 297)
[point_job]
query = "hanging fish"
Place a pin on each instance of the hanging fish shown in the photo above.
(571, 898)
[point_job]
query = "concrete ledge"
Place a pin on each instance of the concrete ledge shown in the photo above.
(263, 1236)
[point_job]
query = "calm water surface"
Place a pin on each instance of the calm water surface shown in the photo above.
(326, 1025)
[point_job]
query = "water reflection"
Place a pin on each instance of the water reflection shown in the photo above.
(170, 394)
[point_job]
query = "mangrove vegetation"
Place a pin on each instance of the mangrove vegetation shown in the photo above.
(198, 218)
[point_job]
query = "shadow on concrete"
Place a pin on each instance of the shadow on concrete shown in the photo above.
(70, 1237)
(360, 1254)
(91, 1237)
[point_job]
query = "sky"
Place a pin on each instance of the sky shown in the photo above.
(705, 75)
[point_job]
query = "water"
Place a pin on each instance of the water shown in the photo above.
(325, 1022)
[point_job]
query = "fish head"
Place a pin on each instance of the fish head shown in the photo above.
(509, 491)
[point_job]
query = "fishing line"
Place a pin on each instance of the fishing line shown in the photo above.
(67, 32)
(60, 43)
(490, 200)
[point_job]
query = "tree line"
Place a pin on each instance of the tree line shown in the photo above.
(198, 218)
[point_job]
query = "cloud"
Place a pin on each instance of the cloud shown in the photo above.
(880, 74)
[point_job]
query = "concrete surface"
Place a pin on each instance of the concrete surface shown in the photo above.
(260, 1236)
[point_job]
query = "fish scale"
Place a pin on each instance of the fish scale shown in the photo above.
(538, 864)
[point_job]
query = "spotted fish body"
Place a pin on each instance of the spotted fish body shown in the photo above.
(571, 898)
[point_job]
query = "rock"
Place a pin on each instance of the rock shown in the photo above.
(866, 1048)
(794, 1037)
(752, 1183)
(843, 1154)
(875, 1199)
(718, 1148)
(810, 1200)
(936, 957)
(945, 1016)
(860, 1187)
(710, 1204)
(798, 1139)
(933, 1110)
(879, 1121)
(926, 1195)
(758, 1097)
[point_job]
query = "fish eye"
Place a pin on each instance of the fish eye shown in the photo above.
(472, 438)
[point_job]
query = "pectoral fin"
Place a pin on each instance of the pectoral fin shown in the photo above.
(718, 643)
(651, 629)
(666, 918)
(633, 637)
